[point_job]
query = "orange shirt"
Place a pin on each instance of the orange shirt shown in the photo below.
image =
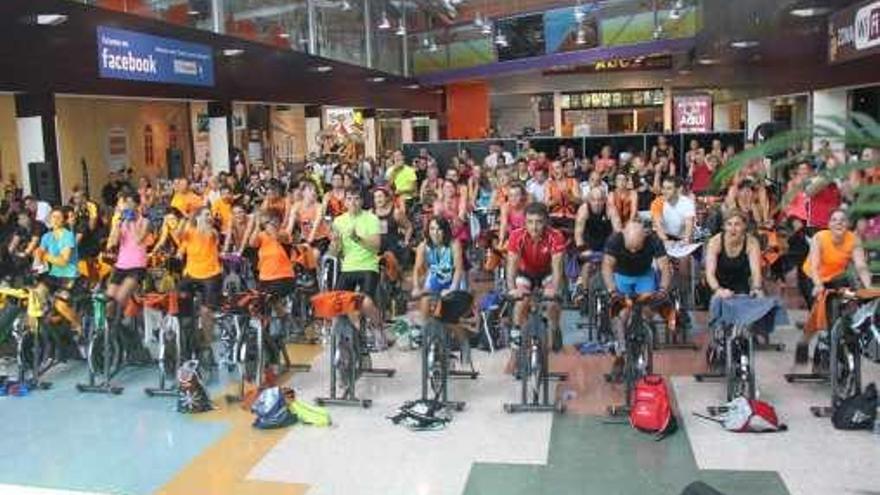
(187, 203)
(833, 259)
(273, 262)
(558, 192)
(202, 254)
(306, 218)
(222, 210)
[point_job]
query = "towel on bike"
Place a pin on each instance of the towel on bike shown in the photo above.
(762, 313)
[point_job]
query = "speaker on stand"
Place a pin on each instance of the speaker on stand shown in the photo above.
(44, 182)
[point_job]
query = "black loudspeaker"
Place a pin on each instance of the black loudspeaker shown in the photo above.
(700, 488)
(174, 159)
(44, 182)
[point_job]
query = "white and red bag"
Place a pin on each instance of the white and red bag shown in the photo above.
(742, 415)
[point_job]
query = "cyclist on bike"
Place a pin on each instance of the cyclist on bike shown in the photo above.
(239, 230)
(185, 200)
(627, 270)
(274, 268)
(202, 273)
(439, 266)
(592, 227)
(86, 228)
(562, 195)
(394, 226)
(334, 199)
(622, 201)
(733, 259)
(403, 178)
(832, 251)
(128, 234)
(58, 251)
(513, 211)
(306, 217)
(356, 236)
(25, 239)
(534, 262)
(673, 213)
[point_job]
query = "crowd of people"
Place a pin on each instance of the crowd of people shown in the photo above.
(617, 211)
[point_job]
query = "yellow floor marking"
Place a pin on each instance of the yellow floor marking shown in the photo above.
(222, 468)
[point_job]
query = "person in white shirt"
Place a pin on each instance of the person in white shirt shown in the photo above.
(496, 152)
(38, 209)
(536, 187)
(673, 213)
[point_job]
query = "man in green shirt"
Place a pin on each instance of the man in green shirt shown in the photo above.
(356, 237)
(403, 177)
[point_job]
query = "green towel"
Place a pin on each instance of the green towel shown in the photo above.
(310, 414)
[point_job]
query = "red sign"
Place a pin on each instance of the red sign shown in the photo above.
(693, 113)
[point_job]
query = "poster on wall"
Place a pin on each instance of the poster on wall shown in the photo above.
(116, 149)
(854, 32)
(693, 113)
(343, 132)
(201, 135)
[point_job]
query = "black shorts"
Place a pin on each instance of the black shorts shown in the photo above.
(120, 274)
(364, 282)
(58, 283)
(210, 289)
(281, 287)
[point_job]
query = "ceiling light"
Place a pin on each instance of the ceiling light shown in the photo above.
(744, 44)
(487, 28)
(412, 86)
(678, 5)
(579, 14)
(345, 5)
(401, 29)
(193, 12)
(426, 42)
(708, 61)
(384, 23)
(323, 68)
(501, 40)
(810, 11)
(478, 20)
(376, 79)
(684, 72)
(675, 14)
(581, 38)
(284, 35)
(433, 48)
(51, 19)
(658, 32)
(232, 52)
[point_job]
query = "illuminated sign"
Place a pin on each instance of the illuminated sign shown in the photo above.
(854, 32)
(653, 62)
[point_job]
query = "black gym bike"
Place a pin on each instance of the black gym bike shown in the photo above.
(638, 357)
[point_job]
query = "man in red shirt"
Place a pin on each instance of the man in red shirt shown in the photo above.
(534, 262)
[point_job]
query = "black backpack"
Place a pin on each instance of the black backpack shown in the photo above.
(857, 412)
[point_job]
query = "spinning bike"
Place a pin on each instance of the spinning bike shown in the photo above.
(532, 363)
(638, 356)
(349, 357)
(175, 345)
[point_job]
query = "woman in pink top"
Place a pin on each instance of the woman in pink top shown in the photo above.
(129, 233)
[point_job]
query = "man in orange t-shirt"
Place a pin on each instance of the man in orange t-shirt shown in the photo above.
(184, 199)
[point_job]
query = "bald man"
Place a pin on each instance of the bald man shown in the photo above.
(592, 227)
(628, 270)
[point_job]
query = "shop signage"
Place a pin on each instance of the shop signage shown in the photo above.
(142, 57)
(693, 113)
(613, 99)
(653, 62)
(854, 32)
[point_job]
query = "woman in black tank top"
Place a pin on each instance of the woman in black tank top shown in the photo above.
(733, 259)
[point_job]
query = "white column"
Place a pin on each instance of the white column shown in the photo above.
(757, 112)
(313, 128)
(668, 109)
(829, 103)
(433, 129)
(557, 114)
(406, 130)
(371, 138)
(219, 144)
(30, 148)
(721, 118)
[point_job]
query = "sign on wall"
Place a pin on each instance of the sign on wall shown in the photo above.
(854, 32)
(136, 56)
(693, 113)
(116, 149)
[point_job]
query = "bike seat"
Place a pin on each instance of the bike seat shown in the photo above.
(335, 303)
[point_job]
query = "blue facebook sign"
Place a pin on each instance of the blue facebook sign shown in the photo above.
(141, 57)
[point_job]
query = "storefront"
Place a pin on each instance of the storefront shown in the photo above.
(612, 112)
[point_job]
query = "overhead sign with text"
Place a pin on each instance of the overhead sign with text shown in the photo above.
(136, 56)
(693, 113)
(854, 32)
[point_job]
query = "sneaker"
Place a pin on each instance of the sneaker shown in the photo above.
(802, 353)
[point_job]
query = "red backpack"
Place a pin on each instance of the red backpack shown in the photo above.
(651, 410)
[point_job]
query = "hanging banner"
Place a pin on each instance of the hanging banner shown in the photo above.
(135, 56)
(693, 113)
(854, 32)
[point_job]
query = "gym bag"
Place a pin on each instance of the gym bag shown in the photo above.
(742, 415)
(651, 410)
(422, 415)
(191, 394)
(271, 410)
(857, 412)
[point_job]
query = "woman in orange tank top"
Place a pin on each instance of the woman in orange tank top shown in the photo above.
(622, 202)
(334, 201)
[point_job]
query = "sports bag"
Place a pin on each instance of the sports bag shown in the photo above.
(743, 415)
(857, 412)
(191, 395)
(271, 410)
(651, 410)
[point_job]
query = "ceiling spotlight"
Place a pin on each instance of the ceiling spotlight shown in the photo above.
(376, 79)
(579, 14)
(810, 11)
(709, 61)
(433, 48)
(675, 14)
(401, 29)
(581, 38)
(426, 42)
(384, 23)
(412, 86)
(232, 52)
(684, 72)
(193, 12)
(658, 32)
(323, 68)
(487, 28)
(284, 35)
(744, 44)
(51, 19)
(345, 6)
(501, 39)
(478, 20)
